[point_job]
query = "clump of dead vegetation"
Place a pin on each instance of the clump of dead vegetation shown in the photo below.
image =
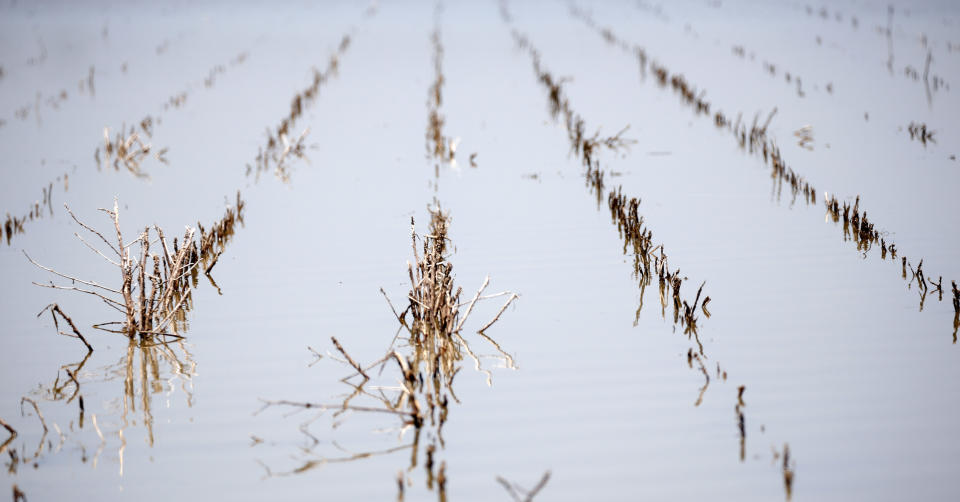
(425, 361)
(439, 146)
(859, 229)
(213, 241)
(857, 226)
(127, 150)
(756, 141)
(649, 260)
(919, 132)
(154, 288)
(154, 292)
(279, 149)
(14, 225)
(754, 138)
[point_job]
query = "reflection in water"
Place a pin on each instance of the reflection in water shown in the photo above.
(141, 369)
(148, 368)
(425, 362)
(756, 142)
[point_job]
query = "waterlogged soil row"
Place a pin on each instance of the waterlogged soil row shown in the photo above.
(426, 355)
(278, 150)
(755, 142)
(649, 259)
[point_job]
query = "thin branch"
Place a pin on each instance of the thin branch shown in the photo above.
(54, 310)
(91, 230)
(324, 407)
(13, 435)
(350, 359)
(473, 302)
(497, 317)
(37, 409)
(391, 305)
(95, 250)
(71, 288)
(81, 281)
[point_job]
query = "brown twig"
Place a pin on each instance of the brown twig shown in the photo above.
(513, 297)
(37, 409)
(473, 302)
(54, 310)
(13, 435)
(349, 359)
(521, 495)
(324, 407)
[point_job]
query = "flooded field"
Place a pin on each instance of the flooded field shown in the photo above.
(498, 250)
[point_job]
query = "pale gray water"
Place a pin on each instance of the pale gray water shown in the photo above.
(836, 357)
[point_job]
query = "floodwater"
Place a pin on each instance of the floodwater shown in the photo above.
(608, 377)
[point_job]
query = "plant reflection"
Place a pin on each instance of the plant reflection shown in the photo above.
(422, 362)
(149, 367)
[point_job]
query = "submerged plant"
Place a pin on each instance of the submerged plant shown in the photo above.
(154, 289)
(424, 363)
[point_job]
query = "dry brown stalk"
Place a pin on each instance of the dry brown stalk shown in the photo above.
(7, 426)
(54, 311)
(787, 471)
(349, 359)
(18, 495)
(37, 409)
(149, 300)
(427, 371)
(506, 304)
(624, 211)
(519, 494)
(125, 149)
(13, 435)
